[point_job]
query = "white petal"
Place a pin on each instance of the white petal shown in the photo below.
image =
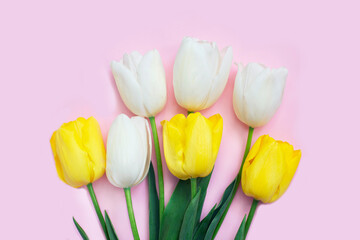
(151, 78)
(144, 130)
(132, 60)
(238, 95)
(128, 88)
(141, 125)
(221, 78)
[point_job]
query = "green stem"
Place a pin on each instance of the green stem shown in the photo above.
(159, 167)
(193, 187)
(251, 215)
(238, 179)
(247, 149)
(97, 209)
(131, 214)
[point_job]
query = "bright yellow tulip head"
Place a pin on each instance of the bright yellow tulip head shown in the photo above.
(191, 144)
(269, 169)
(79, 152)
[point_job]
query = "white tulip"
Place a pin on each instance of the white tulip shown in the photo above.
(141, 82)
(200, 73)
(258, 93)
(128, 151)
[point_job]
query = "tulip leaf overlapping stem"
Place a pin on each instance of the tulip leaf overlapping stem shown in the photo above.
(193, 187)
(159, 167)
(154, 218)
(97, 209)
(237, 180)
(131, 214)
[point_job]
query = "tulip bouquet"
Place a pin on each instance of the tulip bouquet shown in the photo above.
(190, 143)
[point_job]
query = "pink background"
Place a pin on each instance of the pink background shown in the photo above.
(55, 58)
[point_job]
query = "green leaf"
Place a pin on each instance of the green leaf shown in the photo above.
(189, 221)
(110, 228)
(203, 226)
(241, 232)
(154, 221)
(175, 210)
(221, 209)
(81, 231)
(203, 184)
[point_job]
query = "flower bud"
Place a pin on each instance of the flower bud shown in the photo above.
(258, 92)
(200, 73)
(191, 144)
(128, 151)
(141, 82)
(269, 169)
(79, 152)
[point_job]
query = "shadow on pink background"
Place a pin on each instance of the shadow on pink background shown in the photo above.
(55, 66)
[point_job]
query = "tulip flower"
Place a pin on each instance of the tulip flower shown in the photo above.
(128, 157)
(128, 151)
(141, 82)
(142, 86)
(79, 154)
(267, 172)
(200, 73)
(257, 95)
(191, 144)
(258, 92)
(269, 169)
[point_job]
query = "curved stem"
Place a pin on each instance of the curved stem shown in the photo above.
(193, 187)
(159, 167)
(131, 214)
(251, 215)
(97, 209)
(238, 179)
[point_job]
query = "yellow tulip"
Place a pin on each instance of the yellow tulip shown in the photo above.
(269, 169)
(79, 152)
(191, 144)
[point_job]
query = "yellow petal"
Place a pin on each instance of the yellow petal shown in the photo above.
(292, 160)
(199, 158)
(93, 143)
(56, 158)
(216, 124)
(173, 140)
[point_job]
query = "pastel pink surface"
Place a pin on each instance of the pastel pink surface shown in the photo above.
(55, 66)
